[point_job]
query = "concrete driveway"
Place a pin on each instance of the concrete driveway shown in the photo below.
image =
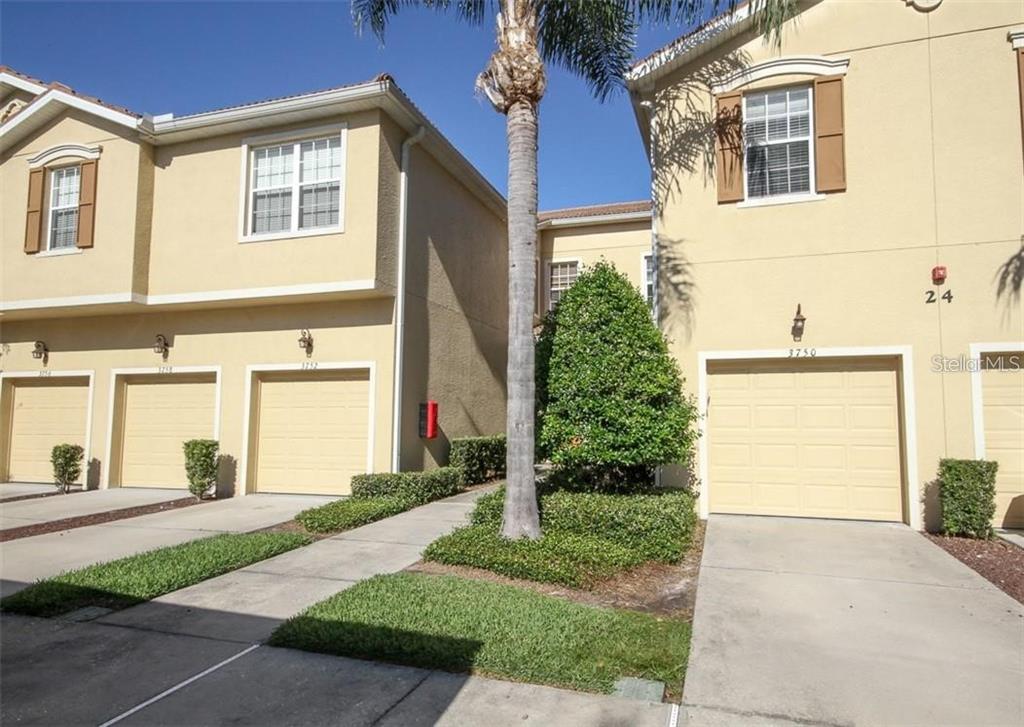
(78, 504)
(27, 560)
(836, 622)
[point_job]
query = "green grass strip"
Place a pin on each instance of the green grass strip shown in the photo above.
(460, 625)
(128, 581)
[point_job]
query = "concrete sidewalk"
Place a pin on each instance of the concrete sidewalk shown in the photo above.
(247, 605)
(58, 507)
(27, 560)
(842, 622)
(60, 673)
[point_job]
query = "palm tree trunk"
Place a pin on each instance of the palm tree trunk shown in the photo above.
(521, 518)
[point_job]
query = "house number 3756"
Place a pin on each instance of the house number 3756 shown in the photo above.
(930, 297)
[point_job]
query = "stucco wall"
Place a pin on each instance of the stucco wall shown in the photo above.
(456, 313)
(229, 338)
(934, 174)
(105, 268)
(623, 244)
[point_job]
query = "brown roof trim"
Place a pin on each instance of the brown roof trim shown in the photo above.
(64, 88)
(597, 210)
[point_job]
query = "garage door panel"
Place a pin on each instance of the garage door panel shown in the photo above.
(824, 439)
(44, 414)
(160, 414)
(1002, 397)
(312, 431)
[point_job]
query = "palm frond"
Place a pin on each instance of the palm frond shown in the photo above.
(593, 39)
(377, 13)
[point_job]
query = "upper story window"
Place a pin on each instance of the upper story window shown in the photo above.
(777, 142)
(650, 279)
(295, 187)
(63, 209)
(561, 276)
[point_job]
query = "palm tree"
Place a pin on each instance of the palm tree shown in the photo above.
(594, 39)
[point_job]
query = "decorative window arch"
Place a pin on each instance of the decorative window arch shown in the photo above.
(62, 151)
(789, 66)
(924, 6)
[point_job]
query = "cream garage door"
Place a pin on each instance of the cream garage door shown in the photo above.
(312, 431)
(813, 438)
(159, 414)
(44, 413)
(1002, 397)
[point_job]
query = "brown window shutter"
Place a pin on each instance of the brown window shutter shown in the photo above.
(86, 203)
(829, 143)
(729, 146)
(34, 216)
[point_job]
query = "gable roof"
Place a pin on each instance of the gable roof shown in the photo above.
(596, 214)
(380, 93)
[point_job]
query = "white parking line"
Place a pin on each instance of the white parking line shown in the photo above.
(178, 686)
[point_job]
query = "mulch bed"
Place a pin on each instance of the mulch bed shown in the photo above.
(659, 589)
(999, 562)
(53, 526)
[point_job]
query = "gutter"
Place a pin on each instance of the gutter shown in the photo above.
(403, 235)
(594, 219)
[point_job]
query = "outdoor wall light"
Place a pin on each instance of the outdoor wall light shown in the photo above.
(306, 341)
(798, 324)
(160, 345)
(40, 350)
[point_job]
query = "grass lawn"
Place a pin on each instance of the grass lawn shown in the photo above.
(137, 578)
(460, 625)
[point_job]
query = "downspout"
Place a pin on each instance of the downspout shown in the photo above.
(648, 106)
(403, 229)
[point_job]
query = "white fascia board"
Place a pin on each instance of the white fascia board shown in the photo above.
(9, 79)
(595, 220)
(1016, 37)
(56, 96)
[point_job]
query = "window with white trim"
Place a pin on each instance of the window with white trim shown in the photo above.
(65, 183)
(777, 141)
(649, 279)
(295, 187)
(561, 276)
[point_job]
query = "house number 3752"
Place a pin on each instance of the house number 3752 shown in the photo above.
(930, 297)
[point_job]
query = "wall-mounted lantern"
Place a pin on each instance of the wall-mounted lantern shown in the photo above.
(40, 350)
(798, 324)
(160, 346)
(306, 342)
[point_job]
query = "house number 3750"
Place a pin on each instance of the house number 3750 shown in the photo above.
(930, 297)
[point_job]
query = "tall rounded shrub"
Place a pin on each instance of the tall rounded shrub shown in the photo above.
(611, 403)
(201, 465)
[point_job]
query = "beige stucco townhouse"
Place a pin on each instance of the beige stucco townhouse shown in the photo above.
(838, 234)
(292, 277)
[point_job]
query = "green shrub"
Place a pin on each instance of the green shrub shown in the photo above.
(67, 465)
(417, 488)
(611, 402)
(557, 557)
(201, 465)
(481, 458)
(657, 526)
(346, 514)
(967, 490)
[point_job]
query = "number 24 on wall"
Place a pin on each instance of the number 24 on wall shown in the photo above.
(929, 296)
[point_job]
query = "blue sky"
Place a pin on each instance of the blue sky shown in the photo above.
(184, 57)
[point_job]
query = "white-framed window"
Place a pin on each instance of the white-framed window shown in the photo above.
(294, 186)
(650, 279)
(62, 230)
(561, 275)
(779, 152)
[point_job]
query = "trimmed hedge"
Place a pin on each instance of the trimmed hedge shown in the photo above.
(417, 488)
(967, 490)
(658, 526)
(481, 458)
(346, 514)
(67, 465)
(570, 559)
(201, 465)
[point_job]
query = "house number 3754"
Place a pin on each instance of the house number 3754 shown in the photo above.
(930, 297)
